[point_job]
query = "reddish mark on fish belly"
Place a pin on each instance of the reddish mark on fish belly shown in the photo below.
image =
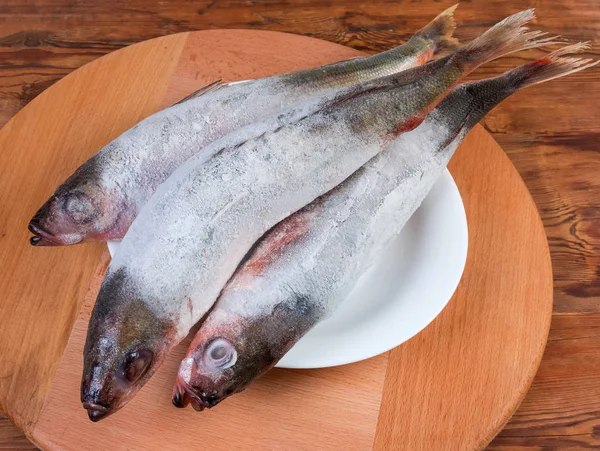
(409, 124)
(284, 234)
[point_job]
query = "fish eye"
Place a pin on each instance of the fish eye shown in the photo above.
(80, 208)
(220, 353)
(136, 364)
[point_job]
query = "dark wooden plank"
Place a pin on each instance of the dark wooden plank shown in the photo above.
(562, 173)
(561, 409)
(11, 439)
(550, 132)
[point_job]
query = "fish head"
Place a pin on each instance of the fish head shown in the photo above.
(222, 362)
(109, 381)
(126, 343)
(228, 354)
(77, 212)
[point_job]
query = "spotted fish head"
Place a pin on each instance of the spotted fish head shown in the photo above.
(224, 361)
(126, 343)
(112, 377)
(231, 351)
(80, 210)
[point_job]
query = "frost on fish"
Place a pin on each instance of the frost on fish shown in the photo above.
(200, 228)
(189, 238)
(306, 265)
(194, 231)
(102, 198)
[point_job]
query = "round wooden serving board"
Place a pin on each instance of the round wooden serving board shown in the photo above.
(452, 387)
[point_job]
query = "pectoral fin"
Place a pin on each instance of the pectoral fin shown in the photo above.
(205, 89)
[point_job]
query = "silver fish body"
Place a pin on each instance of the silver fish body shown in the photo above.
(307, 265)
(105, 194)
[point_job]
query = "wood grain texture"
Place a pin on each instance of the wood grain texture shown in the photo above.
(550, 133)
(42, 291)
(455, 375)
(346, 398)
(12, 439)
(366, 403)
(561, 409)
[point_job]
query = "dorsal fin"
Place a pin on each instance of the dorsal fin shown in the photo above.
(324, 66)
(203, 90)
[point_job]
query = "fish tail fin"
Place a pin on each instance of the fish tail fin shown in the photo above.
(553, 65)
(482, 95)
(440, 30)
(505, 37)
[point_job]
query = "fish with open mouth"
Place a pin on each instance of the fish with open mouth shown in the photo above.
(189, 238)
(104, 195)
(307, 265)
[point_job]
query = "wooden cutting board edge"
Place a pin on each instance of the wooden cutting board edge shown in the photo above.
(47, 101)
(28, 425)
(502, 421)
(82, 260)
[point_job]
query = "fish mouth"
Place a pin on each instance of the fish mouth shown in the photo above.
(184, 394)
(95, 411)
(44, 238)
(41, 236)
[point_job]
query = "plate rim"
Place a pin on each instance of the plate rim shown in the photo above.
(456, 281)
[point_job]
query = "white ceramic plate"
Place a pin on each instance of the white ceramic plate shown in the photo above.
(400, 295)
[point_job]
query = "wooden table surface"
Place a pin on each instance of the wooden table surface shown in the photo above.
(550, 132)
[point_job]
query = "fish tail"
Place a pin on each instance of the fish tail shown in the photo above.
(553, 65)
(440, 30)
(483, 95)
(505, 37)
